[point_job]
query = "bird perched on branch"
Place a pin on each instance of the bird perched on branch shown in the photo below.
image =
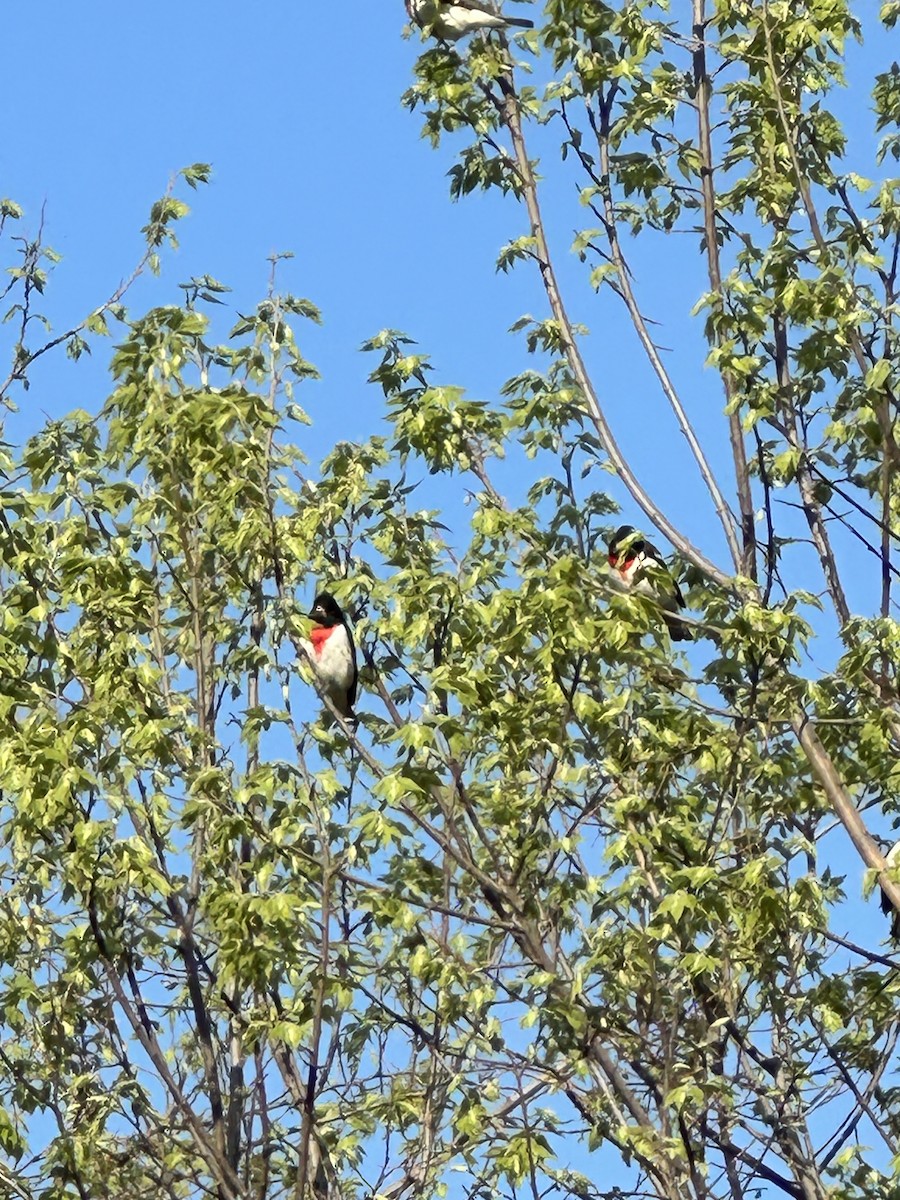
(332, 652)
(892, 858)
(639, 566)
(452, 19)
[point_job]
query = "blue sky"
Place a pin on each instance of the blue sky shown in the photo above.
(311, 150)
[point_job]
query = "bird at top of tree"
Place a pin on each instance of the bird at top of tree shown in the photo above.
(452, 19)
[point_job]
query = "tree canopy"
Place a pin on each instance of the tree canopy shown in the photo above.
(569, 911)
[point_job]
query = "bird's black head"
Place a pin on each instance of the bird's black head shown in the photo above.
(625, 538)
(326, 610)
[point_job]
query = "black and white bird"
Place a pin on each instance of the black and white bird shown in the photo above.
(638, 565)
(332, 653)
(452, 19)
(892, 859)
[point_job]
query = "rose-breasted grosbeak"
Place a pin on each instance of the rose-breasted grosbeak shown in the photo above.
(332, 652)
(452, 19)
(638, 564)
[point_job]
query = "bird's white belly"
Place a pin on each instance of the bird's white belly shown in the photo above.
(333, 663)
(643, 585)
(453, 20)
(458, 20)
(634, 576)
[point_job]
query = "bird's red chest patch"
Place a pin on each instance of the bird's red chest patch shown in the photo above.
(319, 635)
(622, 564)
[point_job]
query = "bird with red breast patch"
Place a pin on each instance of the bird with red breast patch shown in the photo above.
(452, 19)
(332, 653)
(639, 566)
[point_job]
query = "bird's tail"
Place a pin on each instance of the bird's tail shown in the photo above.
(678, 631)
(520, 22)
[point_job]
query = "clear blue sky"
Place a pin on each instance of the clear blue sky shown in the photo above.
(312, 152)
